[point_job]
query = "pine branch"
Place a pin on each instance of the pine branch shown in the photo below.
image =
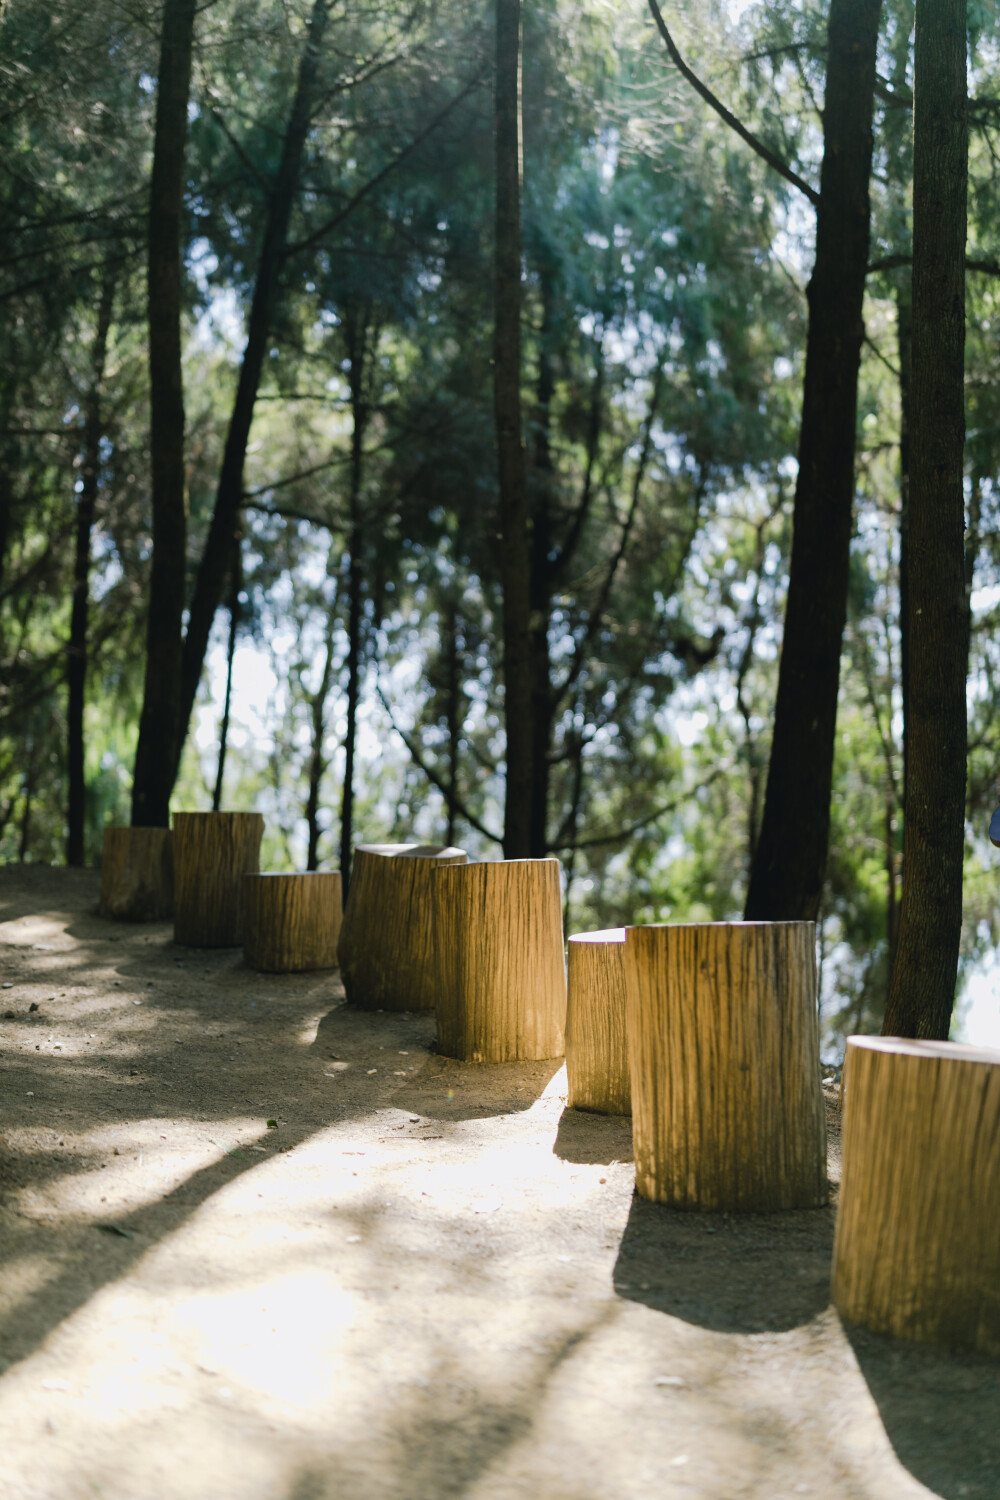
(755, 144)
(432, 776)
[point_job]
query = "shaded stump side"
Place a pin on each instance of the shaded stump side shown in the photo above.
(917, 1249)
(386, 947)
(291, 923)
(212, 853)
(137, 875)
(723, 1040)
(596, 1045)
(501, 977)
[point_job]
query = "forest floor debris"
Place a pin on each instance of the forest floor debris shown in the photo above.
(423, 1281)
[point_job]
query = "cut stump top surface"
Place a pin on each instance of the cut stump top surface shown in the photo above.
(410, 851)
(608, 935)
(902, 1046)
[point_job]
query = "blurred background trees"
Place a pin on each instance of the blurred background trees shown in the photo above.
(342, 567)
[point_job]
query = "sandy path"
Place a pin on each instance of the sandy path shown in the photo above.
(429, 1280)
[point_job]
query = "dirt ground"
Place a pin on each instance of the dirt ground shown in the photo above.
(424, 1280)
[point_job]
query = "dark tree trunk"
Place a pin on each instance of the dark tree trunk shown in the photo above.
(515, 542)
(157, 751)
(453, 712)
(236, 584)
(76, 662)
(317, 759)
(6, 512)
(356, 327)
(904, 346)
(542, 705)
(923, 980)
(210, 583)
(24, 841)
(786, 880)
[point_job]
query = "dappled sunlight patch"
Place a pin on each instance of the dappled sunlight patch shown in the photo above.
(122, 1168)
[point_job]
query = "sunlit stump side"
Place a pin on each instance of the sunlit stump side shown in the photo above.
(212, 853)
(596, 1050)
(500, 973)
(137, 875)
(723, 1041)
(386, 942)
(291, 923)
(917, 1248)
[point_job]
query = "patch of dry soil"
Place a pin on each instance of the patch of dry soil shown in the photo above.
(426, 1280)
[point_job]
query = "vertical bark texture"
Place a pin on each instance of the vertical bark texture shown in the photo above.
(723, 1047)
(515, 540)
(386, 943)
(498, 961)
(917, 1252)
(76, 664)
(212, 853)
(786, 879)
(923, 980)
(158, 748)
(210, 583)
(596, 1050)
(291, 922)
(137, 875)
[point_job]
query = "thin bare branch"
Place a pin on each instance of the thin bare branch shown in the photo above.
(764, 152)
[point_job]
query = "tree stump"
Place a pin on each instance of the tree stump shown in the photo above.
(386, 943)
(291, 922)
(723, 1041)
(501, 979)
(917, 1249)
(137, 875)
(596, 1050)
(212, 853)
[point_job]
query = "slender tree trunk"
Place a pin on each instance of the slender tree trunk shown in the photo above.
(236, 584)
(25, 839)
(157, 751)
(76, 662)
(6, 512)
(542, 706)
(786, 880)
(515, 542)
(210, 582)
(923, 980)
(357, 335)
(891, 894)
(317, 759)
(904, 346)
(453, 711)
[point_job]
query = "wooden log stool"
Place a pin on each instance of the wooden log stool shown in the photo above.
(596, 1050)
(212, 853)
(386, 944)
(501, 979)
(137, 875)
(917, 1248)
(291, 922)
(723, 1041)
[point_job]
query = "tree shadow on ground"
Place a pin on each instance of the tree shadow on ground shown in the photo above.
(941, 1413)
(598, 1139)
(734, 1273)
(447, 1090)
(442, 1439)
